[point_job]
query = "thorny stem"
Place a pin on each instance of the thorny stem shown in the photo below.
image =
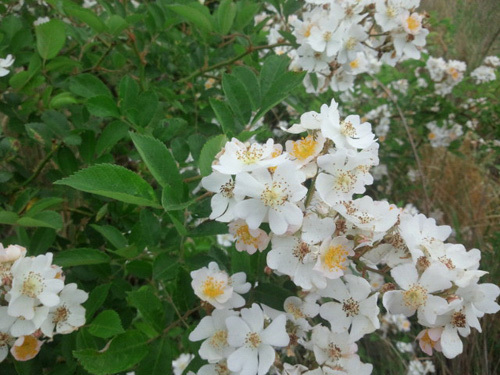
(412, 143)
(249, 50)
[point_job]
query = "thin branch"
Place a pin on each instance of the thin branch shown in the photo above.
(40, 166)
(249, 50)
(412, 143)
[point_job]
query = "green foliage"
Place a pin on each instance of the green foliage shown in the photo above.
(109, 118)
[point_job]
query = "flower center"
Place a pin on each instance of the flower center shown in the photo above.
(251, 155)
(253, 340)
(426, 339)
(351, 43)
(334, 258)
(245, 236)
(5, 338)
(458, 320)
(447, 262)
(453, 73)
(347, 129)
(354, 64)
(219, 339)
(295, 310)
(301, 251)
(60, 315)
(390, 12)
(413, 24)
(304, 148)
(222, 369)
(32, 285)
(227, 189)
(415, 297)
(350, 307)
(212, 288)
(334, 351)
(274, 195)
(344, 181)
(327, 36)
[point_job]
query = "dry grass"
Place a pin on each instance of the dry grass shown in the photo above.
(469, 196)
(465, 191)
(475, 28)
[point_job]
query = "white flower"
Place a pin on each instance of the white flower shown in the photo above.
(325, 36)
(295, 258)
(243, 157)
(273, 198)
(224, 200)
(213, 330)
(6, 340)
(493, 61)
(332, 349)
(369, 215)
(219, 368)
(34, 282)
(483, 74)
(11, 253)
(254, 343)
(355, 308)
(4, 64)
(342, 179)
(299, 310)
(69, 315)
(333, 257)
(417, 292)
(349, 133)
(218, 288)
(41, 20)
(180, 363)
(249, 240)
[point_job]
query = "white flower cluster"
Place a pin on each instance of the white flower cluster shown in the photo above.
(5, 64)
(445, 74)
(339, 39)
(300, 200)
(442, 136)
(486, 72)
(34, 302)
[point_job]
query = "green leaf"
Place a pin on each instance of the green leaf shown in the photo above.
(113, 235)
(159, 358)
(212, 147)
(128, 92)
(238, 97)
(193, 14)
(50, 38)
(251, 84)
(63, 99)
(165, 267)
(276, 82)
(116, 24)
(44, 204)
(103, 106)
(272, 295)
(106, 324)
(224, 116)
(84, 15)
(225, 16)
(159, 161)
(208, 228)
(149, 306)
(96, 300)
(8, 217)
(80, 257)
(123, 352)
(113, 181)
(47, 219)
(88, 86)
(171, 202)
(111, 134)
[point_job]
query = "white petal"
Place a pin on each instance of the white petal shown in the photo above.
(405, 275)
(237, 330)
(204, 329)
(254, 317)
(243, 359)
(275, 334)
(451, 343)
(393, 302)
(266, 359)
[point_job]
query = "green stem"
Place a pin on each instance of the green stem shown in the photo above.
(40, 166)
(250, 50)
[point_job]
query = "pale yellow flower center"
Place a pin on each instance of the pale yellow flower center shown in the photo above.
(32, 285)
(413, 24)
(212, 288)
(253, 340)
(415, 297)
(304, 148)
(334, 257)
(219, 339)
(274, 195)
(244, 236)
